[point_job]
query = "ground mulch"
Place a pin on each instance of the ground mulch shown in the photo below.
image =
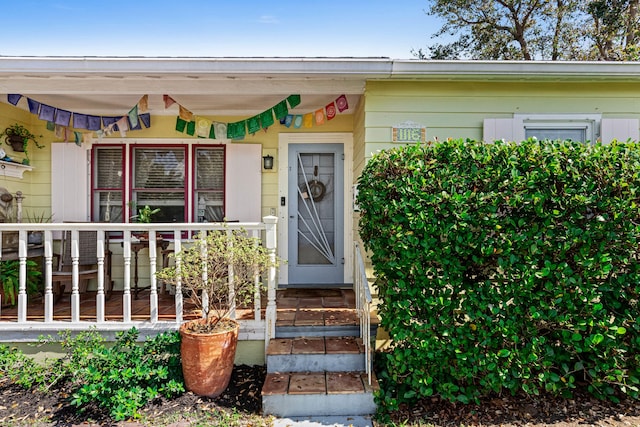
(534, 411)
(20, 407)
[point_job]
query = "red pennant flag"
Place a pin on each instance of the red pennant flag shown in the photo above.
(342, 103)
(331, 111)
(168, 101)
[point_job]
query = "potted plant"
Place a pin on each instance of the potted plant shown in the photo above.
(18, 136)
(144, 216)
(10, 280)
(208, 345)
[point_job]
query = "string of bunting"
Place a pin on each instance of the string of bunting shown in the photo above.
(62, 122)
(205, 128)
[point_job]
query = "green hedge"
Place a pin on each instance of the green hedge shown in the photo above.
(506, 267)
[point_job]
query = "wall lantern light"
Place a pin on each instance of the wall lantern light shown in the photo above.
(267, 162)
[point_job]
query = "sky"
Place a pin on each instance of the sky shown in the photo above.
(213, 28)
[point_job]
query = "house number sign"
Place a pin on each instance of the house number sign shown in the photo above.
(408, 132)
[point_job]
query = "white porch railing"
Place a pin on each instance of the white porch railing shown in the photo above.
(363, 307)
(25, 328)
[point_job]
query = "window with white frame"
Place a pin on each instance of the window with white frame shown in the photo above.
(576, 127)
(581, 128)
(158, 177)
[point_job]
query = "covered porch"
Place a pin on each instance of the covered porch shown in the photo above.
(125, 292)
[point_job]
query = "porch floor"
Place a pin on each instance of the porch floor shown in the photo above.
(295, 307)
(316, 307)
(140, 308)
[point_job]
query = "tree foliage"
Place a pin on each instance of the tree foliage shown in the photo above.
(536, 30)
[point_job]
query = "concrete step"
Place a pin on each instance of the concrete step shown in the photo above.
(315, 354)
(294, 394)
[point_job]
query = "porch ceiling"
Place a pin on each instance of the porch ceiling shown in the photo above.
(205, 86)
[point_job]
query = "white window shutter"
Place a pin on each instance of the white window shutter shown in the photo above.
(496, 129)
(69, 183)
(243, 188)
(619, 129)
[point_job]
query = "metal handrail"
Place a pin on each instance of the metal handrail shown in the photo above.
(363, 307)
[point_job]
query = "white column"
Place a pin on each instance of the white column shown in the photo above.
(22, 290)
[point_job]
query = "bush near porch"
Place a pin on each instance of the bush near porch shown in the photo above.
(506, 268)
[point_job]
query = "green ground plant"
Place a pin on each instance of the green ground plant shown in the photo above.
(121, 377)
(505, 268)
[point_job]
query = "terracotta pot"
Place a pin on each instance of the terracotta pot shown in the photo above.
(207, 359)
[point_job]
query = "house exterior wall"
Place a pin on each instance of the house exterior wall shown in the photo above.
(35, 184)
(456, 109)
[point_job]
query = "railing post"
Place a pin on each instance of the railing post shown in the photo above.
(22, 289)
(177, 247)
(271, 245)
(48, 266)
(126, 294)
(100, 301)
(153, 297)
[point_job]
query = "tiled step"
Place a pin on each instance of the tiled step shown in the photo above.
(315, 354)
(292, 394)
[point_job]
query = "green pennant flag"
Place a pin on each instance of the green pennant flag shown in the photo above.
(266, 118)
(253, 124)
(212, 132)
(294, 100)
(51, 126)
(180, 124)
(281, 110)
(191, 127)
(236, 130)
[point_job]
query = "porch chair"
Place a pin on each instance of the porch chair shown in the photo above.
(87, 263)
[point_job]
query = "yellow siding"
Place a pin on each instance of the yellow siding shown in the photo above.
(457, 109)
(36, 184)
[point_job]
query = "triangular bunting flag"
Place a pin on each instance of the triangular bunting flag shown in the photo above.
(180, 124)
(191, 128)
(342, 103)
(308, 120)
(47, 112)
(13, 98)
(93, 122)
(236, 130)
(203, 126)
(281, 110)
(331, 110)
(253, 124)
(143, 104)
(266, 118)
(80, 121)
(293, 100)
(320, 116)
(168, 101)
(123, 126)
(212, 132)
(185, 114)
(221, 130)
(77, 137)
(133, 117)
(63, 117)
(34, 106)
(145, 119)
